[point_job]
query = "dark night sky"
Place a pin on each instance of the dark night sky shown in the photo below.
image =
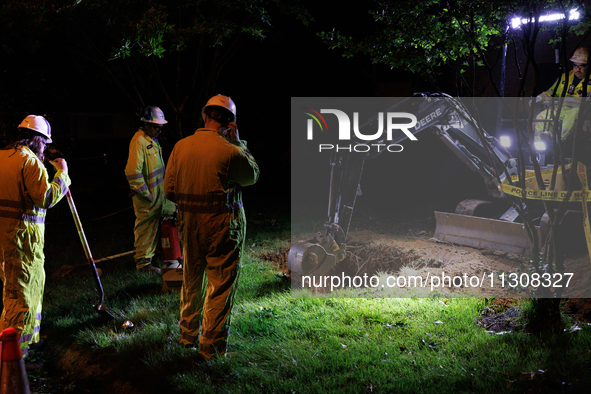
(264, 75)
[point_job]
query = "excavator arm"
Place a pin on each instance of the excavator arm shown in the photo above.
(451, 122)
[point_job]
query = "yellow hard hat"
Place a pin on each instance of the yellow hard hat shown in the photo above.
(580, 55)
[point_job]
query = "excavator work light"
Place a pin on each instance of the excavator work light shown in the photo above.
(540, 146)
(572, 15)
(505, 141)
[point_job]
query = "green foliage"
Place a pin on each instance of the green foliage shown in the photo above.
(420, 36)
(159, 51)
(423, 36)
(148, 34)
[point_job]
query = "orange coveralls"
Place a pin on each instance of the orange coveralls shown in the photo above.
(204, 177)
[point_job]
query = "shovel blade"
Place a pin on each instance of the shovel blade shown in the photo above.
(484, 233)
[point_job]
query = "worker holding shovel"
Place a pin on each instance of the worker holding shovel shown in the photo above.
(25, 195)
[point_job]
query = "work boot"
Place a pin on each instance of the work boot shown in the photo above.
(150, 269)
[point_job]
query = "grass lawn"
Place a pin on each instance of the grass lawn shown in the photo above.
(282, 343)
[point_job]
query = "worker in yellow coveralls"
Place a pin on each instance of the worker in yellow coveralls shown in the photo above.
(574, 88)
(25, 195)
(145, 174)
(205, 174)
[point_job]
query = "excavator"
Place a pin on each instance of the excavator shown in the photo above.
(492, 224)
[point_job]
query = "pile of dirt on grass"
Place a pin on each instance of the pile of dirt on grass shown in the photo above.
(372, 258)
(500, 315)
(579, 308)
(277, 259)
(360, 258)
(412, 251)
(499, 322)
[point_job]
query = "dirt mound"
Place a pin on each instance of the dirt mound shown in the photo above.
(579, 308)
(500, 322)
(415, 253)
(278, 259)
(373, 258)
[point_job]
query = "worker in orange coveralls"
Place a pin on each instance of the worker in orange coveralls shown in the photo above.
(25, 195)
(204, 177)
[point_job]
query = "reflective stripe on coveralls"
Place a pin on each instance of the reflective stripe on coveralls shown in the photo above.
(568, 115)
(25, 195)
(145, 173)
(204, 176)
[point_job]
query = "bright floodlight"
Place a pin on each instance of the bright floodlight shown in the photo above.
(540, 146)
(572, 15)
(505, 141)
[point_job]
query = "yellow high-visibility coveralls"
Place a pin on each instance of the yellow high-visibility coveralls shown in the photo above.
(568, 114)
(205, 174)
(145, 174)
(25, 195)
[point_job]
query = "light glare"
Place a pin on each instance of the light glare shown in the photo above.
(518, 21)
(505, 141)
(540, 145)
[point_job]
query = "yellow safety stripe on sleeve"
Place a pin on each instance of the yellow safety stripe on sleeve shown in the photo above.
(582, 172)
(145, 167)
(42, 194)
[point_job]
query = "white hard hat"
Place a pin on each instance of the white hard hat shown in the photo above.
(153, 115)
(220, 101)
(38, 124)
(580, 55)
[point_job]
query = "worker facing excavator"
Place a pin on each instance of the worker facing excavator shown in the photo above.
(573, 81)
(145, 174)
(25, 195)
(205, 174)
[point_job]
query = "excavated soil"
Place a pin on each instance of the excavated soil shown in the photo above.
(409, 249)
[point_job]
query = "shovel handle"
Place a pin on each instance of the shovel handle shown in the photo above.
(97, 279)
(78, 225)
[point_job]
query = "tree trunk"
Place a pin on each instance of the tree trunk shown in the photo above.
(544, 316)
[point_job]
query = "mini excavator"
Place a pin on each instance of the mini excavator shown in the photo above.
(476, 223)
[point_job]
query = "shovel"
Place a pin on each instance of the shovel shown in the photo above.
(102, 309)
(67, 269)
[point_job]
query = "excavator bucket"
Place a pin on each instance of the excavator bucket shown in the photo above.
(484, 233)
